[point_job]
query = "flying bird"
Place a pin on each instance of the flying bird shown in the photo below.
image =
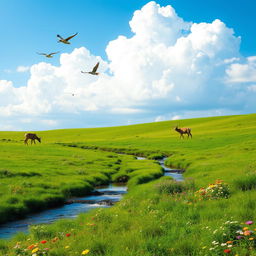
(65, 40)
(93, 72)
(48, 55)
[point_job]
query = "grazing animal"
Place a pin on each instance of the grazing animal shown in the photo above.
(93, 72)
(65, 40)
(182, 131)
(32, 137)
(48, 55)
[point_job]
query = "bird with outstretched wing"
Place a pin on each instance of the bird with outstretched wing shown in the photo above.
(94, 70)
(65, 40)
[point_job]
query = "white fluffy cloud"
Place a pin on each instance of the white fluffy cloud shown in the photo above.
(168, 65)
(22, 69)
(243, 72)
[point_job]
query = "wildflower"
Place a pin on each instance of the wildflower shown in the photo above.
(245, 228)
(227, 251)
(66, 247)
(229, 242)
(251, 238)
(32, 246)
(247, 232)
(68, 235)
(223, 244)
(230, 245)
(43, 242)
(85, 252)
(55, 239)
(239, 237)
(35, 250)
(249, 222)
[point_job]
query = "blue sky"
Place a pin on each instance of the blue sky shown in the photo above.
(29, 26)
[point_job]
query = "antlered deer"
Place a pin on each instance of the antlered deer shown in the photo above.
(182, 131)
(32, 137)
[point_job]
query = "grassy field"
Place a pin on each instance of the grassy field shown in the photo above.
(37, 177)
(161, 217)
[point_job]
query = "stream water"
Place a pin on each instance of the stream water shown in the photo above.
(111, 193)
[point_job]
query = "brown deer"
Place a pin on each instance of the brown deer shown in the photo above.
(182, 131)
(31, 136)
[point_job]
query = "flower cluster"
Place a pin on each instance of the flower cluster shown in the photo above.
(43, 247)
(218, 189)
(234, 239)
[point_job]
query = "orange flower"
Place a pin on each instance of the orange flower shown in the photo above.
(31, 246)
(229, 242)
(245, 228)
(43, 242)
(247, 232)
(55, 239)
(227, 251)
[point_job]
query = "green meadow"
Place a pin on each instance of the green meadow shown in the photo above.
(158, 216)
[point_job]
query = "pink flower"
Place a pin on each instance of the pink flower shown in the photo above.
(249, 222)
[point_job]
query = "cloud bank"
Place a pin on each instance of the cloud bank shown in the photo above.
(168, 69)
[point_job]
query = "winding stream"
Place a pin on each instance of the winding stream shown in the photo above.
(111, 193)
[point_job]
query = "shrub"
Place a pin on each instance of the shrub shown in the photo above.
(173, 187)
(217, 190)
(234, 238)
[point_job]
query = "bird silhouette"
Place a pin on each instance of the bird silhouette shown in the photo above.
(93, 72)
(48, 55)
(65, 40)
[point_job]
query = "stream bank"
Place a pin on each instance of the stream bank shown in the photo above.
(104, 197)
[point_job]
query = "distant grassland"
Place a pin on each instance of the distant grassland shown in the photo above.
(158, 218)
(222, 147)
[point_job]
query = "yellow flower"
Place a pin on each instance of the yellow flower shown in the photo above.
(251, 238)
(66, 247)
(35, 250)
(85, 252)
